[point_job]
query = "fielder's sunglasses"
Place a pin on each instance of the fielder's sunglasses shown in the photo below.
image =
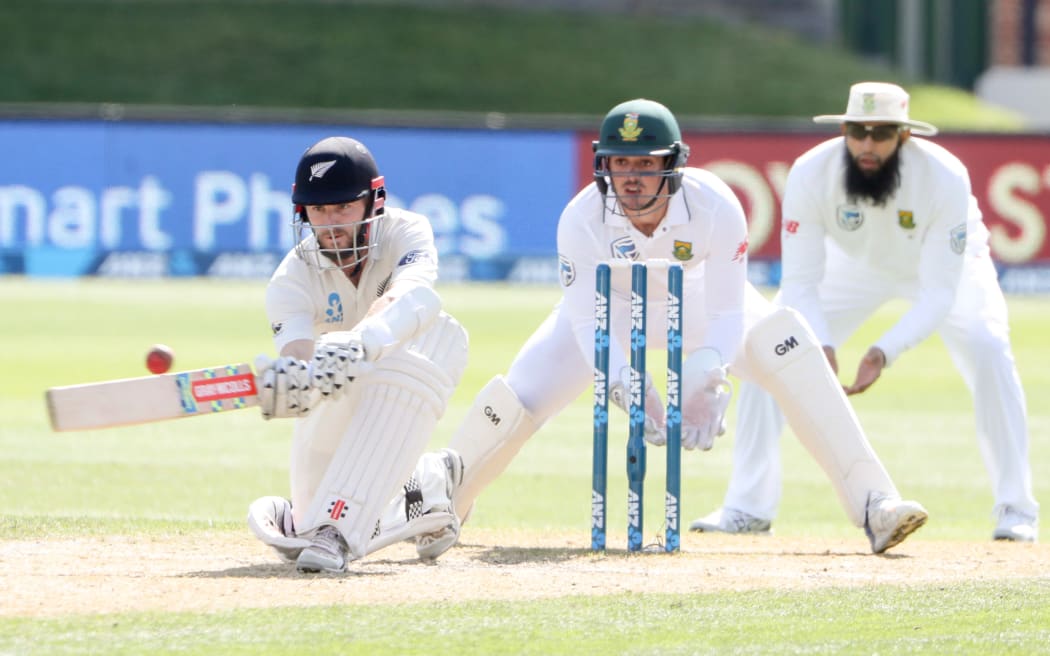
(860, 132)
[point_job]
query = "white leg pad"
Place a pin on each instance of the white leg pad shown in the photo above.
(783, 356)
(422, 507)
(494, 430)
(398, 405)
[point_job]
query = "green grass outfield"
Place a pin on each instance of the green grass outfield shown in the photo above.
(196, 476)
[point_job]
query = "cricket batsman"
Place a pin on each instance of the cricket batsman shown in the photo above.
(368, 361)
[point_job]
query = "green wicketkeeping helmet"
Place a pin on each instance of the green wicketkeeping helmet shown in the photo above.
(636, 128)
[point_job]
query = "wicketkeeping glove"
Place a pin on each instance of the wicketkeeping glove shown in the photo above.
(655, 413)
(705, 398)
(285, 389)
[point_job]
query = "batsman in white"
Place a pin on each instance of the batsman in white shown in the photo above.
(367, 364)
(873, 215)
(645, 205)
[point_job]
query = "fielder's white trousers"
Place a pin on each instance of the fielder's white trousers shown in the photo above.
(976, 334)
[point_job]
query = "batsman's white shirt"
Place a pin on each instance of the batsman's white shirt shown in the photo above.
(303, 303)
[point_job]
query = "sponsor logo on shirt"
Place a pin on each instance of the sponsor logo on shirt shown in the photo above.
(959, 239)
(906, 219)
(334, 312)
(412, 257)
(741, 252)
(624, 249)
(683, 250)
(850, 217)
(566, 270)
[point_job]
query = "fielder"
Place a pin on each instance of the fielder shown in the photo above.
(873, 215)
(644, 204)
(367, 364)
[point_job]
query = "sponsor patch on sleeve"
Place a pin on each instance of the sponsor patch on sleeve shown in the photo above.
(566, 270)
(959, 239)
(412, 257)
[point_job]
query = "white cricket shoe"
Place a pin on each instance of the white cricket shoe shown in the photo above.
(270, 519)
(431, 545)
(1016, 526)
(731, 520)
(327, 552)
(888, 520)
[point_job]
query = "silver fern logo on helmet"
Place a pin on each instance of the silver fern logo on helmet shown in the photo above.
(320, 168)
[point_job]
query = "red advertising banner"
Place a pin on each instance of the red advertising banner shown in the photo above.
(1010, 175)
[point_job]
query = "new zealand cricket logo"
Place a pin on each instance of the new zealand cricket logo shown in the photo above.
(906, 219)
(630, 130)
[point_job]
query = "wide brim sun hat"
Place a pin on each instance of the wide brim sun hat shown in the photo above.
(878, 102)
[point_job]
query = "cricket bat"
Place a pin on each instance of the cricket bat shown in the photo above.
(130, 401)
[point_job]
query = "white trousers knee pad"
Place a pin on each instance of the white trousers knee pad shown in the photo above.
(783, 356)
(399, 403)
(494, 430)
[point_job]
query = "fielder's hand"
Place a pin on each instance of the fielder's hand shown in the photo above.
(705, 398)
(868, 371)
(285, 387)
(337, 363)
(655, 413)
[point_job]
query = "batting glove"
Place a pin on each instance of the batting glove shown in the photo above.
(337, 363)
(285, 387)
(655, 414)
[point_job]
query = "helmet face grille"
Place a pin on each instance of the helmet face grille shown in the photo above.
(309, 248)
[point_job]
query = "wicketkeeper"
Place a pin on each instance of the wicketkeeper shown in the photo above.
(645, 204)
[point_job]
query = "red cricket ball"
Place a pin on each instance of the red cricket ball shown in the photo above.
(159, 359)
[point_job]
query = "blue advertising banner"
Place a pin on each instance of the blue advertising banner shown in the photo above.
(154, 199)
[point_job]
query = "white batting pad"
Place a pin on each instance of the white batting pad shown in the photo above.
(786, 360)
(494, 430)
(397, 407)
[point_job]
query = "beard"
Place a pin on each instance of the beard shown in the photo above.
(876, 186)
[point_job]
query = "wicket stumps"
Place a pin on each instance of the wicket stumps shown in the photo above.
(636, 449)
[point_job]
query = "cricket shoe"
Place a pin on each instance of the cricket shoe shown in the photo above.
(326, 553)
(1016, 526)
(270, 519)
(730, 520)
(890, 519)
(431, 545)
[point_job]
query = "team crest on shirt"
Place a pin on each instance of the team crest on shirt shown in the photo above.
(566, 270)
(850, 217)
(276, 327)
(959, 239)
(683, 250)
(906, 219)
(630, 130)
(624, 249)
(334, 312)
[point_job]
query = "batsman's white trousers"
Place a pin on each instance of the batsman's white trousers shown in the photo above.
(976, 334)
